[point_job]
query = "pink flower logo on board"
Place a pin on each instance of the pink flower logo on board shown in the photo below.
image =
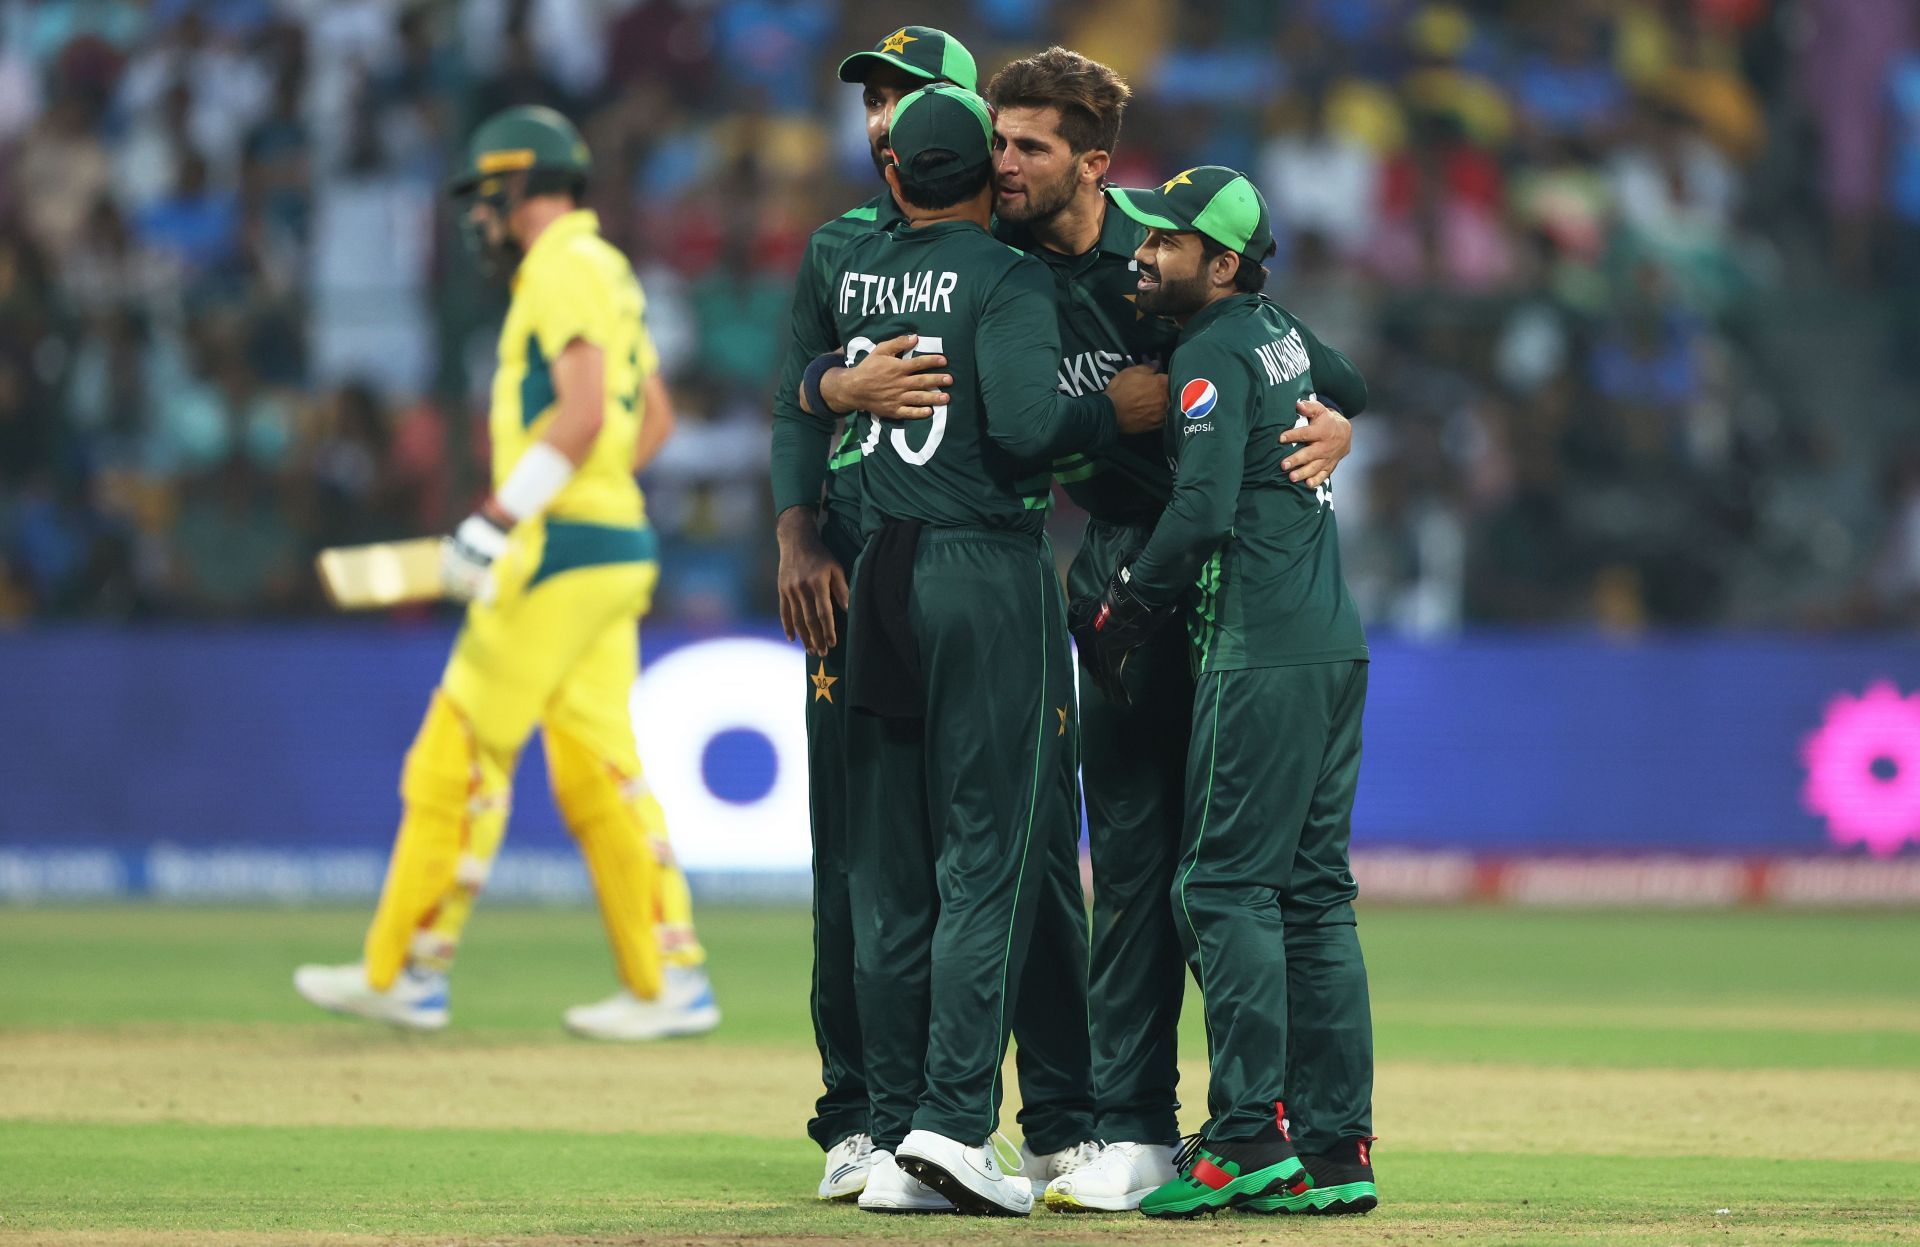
(1863, 769)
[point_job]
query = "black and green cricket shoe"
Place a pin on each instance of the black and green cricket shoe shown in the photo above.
(1342, 1184)
(1220, 1173)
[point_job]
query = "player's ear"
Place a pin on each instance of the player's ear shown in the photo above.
(1225, 267)
(892, 174)
(1094, 165)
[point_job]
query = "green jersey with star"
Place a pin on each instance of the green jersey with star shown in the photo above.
(1254, 556)
(1101, 332)
(802, 459)
(982, 460)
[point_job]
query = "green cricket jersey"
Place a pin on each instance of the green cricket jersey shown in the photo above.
(983, 459)
(1101, 332)
(1262, 552)
(801, 441)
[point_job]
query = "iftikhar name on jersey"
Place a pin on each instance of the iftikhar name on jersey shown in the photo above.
(1284, 359)
(878, 295)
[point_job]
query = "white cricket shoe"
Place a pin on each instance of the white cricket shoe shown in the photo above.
(848, 1163)
(970, 1177)
(889, 1189)
(1116, 1181)
(417, 1000)
(1040, 1168)
(685, 1007)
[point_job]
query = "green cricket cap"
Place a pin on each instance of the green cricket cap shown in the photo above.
(524, 138)
(920, 51)
(941, 117)
(1212, 200)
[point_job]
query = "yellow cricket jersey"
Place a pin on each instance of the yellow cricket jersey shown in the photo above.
(574, 284)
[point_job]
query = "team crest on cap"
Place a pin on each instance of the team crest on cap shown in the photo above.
(1197, 399)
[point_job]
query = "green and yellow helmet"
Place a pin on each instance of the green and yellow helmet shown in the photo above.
(529, 140)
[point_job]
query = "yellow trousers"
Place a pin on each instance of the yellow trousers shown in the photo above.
(558, 651)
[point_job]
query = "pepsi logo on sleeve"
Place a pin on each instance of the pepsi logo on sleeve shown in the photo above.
(1198, 399)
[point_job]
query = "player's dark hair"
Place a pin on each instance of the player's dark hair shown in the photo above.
(1249, 278)
(556, 182)
(1091, 97)
(934, 193)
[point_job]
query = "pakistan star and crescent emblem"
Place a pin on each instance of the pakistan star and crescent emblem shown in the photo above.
(1178, 179)
(823, 683)
(897, 42)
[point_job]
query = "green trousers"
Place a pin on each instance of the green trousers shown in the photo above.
(1133, 766)
(960, 826)
(1263, 900)
(842, 1108)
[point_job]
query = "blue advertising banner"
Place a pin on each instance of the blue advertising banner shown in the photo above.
(151, 745)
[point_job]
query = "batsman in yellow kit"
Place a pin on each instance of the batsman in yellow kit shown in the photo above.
(559, 565)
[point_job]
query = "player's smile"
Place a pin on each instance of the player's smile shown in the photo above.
(1149, 279)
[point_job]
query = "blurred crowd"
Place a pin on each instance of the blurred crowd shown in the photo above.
(1636, 282)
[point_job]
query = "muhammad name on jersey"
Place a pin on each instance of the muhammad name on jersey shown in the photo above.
(1089, 371)
(876, 295)
(1285, 359)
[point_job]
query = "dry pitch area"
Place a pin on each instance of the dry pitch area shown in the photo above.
(1544, 1078)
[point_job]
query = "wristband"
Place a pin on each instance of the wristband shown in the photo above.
(810, 383)
(540, 474)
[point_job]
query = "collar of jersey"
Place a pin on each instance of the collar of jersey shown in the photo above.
(567, 225)
(1214, 311)
(934, 229)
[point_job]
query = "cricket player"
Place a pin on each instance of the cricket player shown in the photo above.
(560, 565)
(818, 542)
(1263, 893)
(962, 740)
(1057, 123)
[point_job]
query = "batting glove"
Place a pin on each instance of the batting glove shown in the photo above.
(466, 558)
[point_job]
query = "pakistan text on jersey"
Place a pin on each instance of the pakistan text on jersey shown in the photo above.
(915, 292)
(1285, 359)
(1090, 371)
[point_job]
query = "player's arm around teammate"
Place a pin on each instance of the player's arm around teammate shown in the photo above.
(1263, 878)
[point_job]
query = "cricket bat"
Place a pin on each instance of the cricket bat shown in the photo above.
(387, 573)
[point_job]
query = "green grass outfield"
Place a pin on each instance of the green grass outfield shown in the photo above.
(1544, 1078)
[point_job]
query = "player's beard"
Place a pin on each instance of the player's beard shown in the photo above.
(878, 150)
(1041, 203)
(1175, 297)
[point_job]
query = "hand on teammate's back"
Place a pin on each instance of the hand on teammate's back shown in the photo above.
(1324, 441)
(1139, 397)
(889, 383)
(811, 583)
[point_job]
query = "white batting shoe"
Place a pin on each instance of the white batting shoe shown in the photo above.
(1040, 1168)
(417, 1001)
(1116, 1180)
(848, 1163)
(890, 1190)
(685, 1007)
(971, 1177)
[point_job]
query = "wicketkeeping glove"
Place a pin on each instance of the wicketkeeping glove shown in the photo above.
(1107, 627)
(466, 558)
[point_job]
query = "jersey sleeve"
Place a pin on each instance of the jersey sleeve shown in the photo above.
(1214, 405)
(1016, 346)
(1334, 376)
(800, 439)
(572, 301)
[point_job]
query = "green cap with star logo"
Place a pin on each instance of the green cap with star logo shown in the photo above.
(919, 51)
(1212, 200)
(941, 117)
